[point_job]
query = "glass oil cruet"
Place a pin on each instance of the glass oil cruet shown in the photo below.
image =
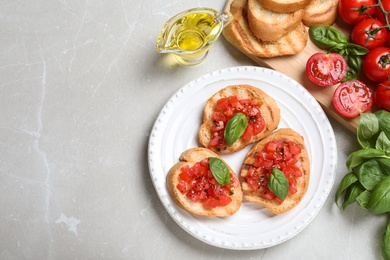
(190, 34)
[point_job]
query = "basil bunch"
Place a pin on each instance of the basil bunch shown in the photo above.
(332, 40)
(368, 180)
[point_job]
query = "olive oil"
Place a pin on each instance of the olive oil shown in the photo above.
(190, 34)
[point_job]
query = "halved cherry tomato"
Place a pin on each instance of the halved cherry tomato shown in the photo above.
(352, 98)
(369, 33)
(326, 69)
(382, 95)
(354, 11)
(376, 64)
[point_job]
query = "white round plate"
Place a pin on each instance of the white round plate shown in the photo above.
(253, 226)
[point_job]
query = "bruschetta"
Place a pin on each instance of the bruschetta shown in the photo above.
(236, 116)
(276, 171)
(204, 184)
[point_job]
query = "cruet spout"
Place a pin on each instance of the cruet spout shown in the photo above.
(190, 34)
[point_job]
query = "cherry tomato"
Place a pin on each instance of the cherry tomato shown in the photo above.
(326, 69)
(379, 13)
(387, 43)
(369, 33)
(352, 98)
(382, 95)
(354, 11)
(376, 64)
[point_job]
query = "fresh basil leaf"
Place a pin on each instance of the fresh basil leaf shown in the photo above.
(352, 193)
(383, 143)
(354, 63)
(235, 127)
(369, 174)
(327, 37)
(362, 155)
(220, 171)
(367, 130)
(278, 184)
(363, 199)
(379, 202)
(384, 121)
(347, 181)
(386, 241)
(384, 163)
(354, 49)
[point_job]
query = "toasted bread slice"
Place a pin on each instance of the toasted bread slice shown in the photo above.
(268, 25)
(284, 6)
(268, 110)
(190, 157)
(320, 12)
(284, 134)
(239, 35)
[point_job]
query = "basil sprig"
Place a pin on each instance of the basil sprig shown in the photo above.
(332, 40)
(235, 127)
(368, 180)
(220, 171)
(278, 184)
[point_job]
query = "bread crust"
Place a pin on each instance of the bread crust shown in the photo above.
(284, 6)
(268, 25)
(240, 35)
(285, 134)
(190, 157)
(268, 110)
(320, 12)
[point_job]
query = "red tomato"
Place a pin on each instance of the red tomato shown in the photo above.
(369, 33)
(379, 13)
(387, 43)
(326, 69)
(376, 64)
(354, 11)
(352, 98)
(382, 95)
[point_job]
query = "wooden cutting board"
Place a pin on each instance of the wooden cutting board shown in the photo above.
(294, 67)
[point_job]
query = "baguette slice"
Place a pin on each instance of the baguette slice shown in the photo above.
(285, 134)
(190, 157)
(239, 35)
(268, 110)
(320, 12)
(284, 6)
(268, 25)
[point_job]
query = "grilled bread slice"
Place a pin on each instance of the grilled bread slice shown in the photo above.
(239, 35)
(268, 25)
(284, 6)
(320, 12)
(189, 158)
(302, 183)
(269, 111)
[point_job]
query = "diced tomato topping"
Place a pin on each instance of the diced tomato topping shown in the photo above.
(285, 156)
(197, 183)
(226, 108)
